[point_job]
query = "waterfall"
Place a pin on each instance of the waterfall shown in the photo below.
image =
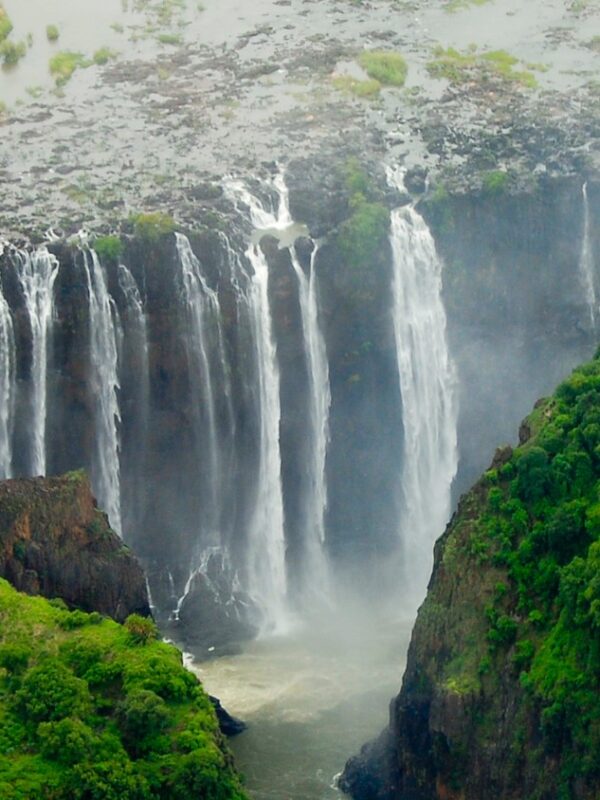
(104, 385)
(316, 577)
(586, 261)
(265, 557)
(37, 272)
(427, 386)
(209, 375)
(134, 379)
(7, 387)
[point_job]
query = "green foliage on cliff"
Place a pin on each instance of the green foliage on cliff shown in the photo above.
(108, 248)
(538, 523)
(361, 236)
(153, 225)
(100, 711)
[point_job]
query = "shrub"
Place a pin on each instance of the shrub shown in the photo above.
(51, 692)
(68, 741)
(52, 33)
(12, 52)
(108, 248)
(142, 715)
(152, 226)
(141, 629)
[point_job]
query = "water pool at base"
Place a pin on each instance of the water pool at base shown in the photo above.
(310, 699)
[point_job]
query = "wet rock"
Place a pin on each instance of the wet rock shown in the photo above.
(54, 541)
(229, 725)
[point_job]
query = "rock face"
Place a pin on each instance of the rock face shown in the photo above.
(501, 692)
(54, 541)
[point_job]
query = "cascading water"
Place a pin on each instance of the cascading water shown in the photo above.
(200, 304)
(134, 379)
(104, 385)
(428, 391)
(7, 387)
(266, 543)
(37, 273)
(586, 262)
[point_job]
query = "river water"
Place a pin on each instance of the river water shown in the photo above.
(311, 699)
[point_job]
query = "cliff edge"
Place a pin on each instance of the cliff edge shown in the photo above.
(55, 542)
(501, 695)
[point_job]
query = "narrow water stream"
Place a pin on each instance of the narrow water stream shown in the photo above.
(311, 699)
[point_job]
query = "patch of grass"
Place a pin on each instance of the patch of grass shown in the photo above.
(64, 64)
(3, 108)
(387, 67)
(153, 225)
(12, 52)
(103, 55)
(52, 33)
(458, 67)
(6, 25)
(453, 6)
(169, 38)
(356, 87)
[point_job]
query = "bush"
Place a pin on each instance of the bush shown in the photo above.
(152, 226)
(6, 25)
(143, 714)
(12, 52)
(52, 33)
(108, 248)
(141, 629)
(68, 741)
(51, 692)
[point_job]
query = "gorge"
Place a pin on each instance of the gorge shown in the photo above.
(283, 318)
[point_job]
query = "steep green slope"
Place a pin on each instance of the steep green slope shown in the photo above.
(501, 696)
(94, 710)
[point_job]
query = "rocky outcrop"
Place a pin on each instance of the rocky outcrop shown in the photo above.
(54, 541)
(500, 694)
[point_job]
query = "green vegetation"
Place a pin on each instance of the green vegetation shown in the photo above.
(64, 64)
(12, 52)
(52, 33)
(453, 6)
(6, 25)
(356, 87)
(103, 55)
(152, 226)
(108, 248)
(383, 67)
(386, 67)
(90, 710)
(362, 234)
(458, 67)
(496, 182)
(169, 38)
(538, 524)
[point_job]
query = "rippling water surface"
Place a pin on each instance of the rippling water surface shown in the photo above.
(311, 699)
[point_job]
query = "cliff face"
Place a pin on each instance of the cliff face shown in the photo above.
(500, 694)
(54, 541)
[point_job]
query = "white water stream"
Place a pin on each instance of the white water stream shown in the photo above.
(428, 391)
(586, 262)
(7, 388)
(104, 385)
(37, 272)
